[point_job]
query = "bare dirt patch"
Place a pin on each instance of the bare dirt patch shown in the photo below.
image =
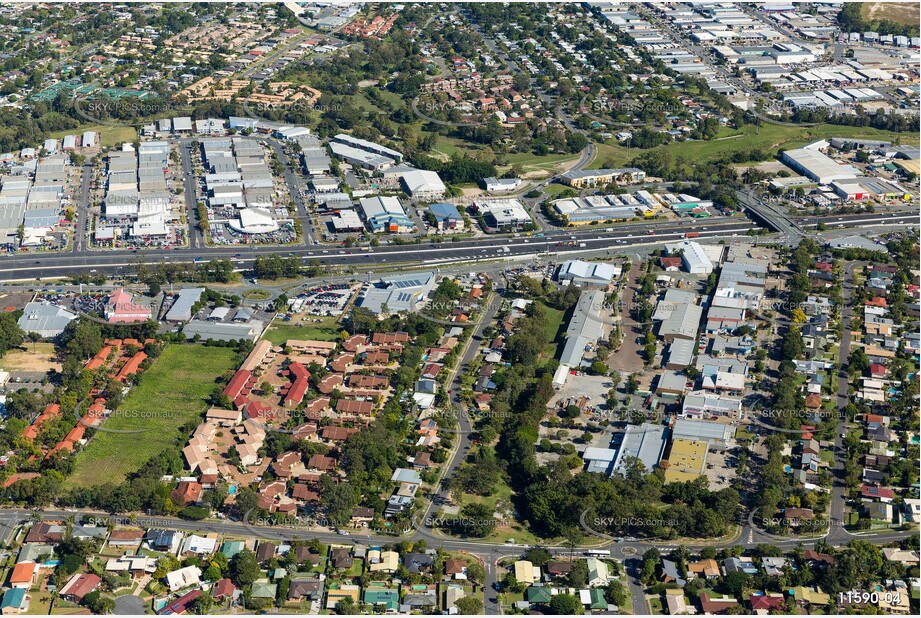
(37, 357)
(901, 12)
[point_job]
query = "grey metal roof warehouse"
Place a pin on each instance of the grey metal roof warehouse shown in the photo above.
(585, 327)
(222, 331)
(645, 442)
(45, 319)
(181, 311)
(705, 431)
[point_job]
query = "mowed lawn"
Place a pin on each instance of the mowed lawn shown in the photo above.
(325, 330)
(171, 393)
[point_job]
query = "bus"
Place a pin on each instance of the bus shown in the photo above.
(598, 553)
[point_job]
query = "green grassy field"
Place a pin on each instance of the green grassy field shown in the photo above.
(171, 393)
(109, 136)
(326, 330)
(554, 328)
(770, 137)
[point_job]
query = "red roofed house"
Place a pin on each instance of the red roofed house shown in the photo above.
(670, 263)
(328, 384)
(23, 575)
(50, 412)
(186, 492)
(772, 601)
(322, 462)
(353, 406)
(79, 586)
(223, 589)
(121, 310)
(131, 367)
(99, 360)
(877, 370)
(883, 494)
(237, 384)
(298, 389)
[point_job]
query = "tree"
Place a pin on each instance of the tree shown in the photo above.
(11, 335)
(566, 605)
(202, 604)
(538, 556)
(98, 604)
(469, 606)
(476, 520)
(244, 568)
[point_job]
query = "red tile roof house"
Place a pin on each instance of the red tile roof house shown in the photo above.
(50, 412)
(223, 589)
(322, 462)
(186, 492)
(670, 263)
(23, 575)
(877, 370)
(299, 387)
(237, 384)
(767, 602)
(716, 606)
(79, 586)
(131, 367)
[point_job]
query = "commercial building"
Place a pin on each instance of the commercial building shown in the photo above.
(602, 208)
(45, 319)
(362, 158)
(446, 216)
(385, 214)
(501, 185)
(503, 215)
(716, 435)
(396, 294)
(579, 272)
(701, 404)
(423, 185)
(593, 178)
(687, 460)
(121, 309)
(585, 328)
(682, 323)
(367, 146)
(181, 311)
(817, 166)
(645, 443)
(693, 257)
(221, 331)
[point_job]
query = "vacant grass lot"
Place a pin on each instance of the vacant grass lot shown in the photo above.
(171, 393)
(109, 136)
(770, 137)
(325, 330)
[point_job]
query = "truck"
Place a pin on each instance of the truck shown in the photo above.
(692, 234)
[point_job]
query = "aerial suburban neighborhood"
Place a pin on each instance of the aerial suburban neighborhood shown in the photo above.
(470, 308)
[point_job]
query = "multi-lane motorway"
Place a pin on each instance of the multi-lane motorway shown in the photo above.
(16, 267)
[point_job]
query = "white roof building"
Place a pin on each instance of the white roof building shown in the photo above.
(183, 578)
(579, 271)
(423, 185)
(254, 221)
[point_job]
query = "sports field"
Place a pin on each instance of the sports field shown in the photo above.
(171, 392)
